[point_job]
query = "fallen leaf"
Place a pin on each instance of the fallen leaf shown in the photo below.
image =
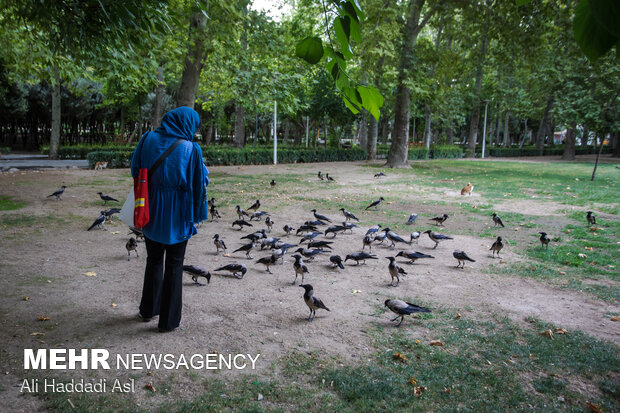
(356, 291)
(501, 261)
(149, 386)
(413, 381)
(227, 255)
(457, 316)
(37, 334)
(417, 391)
(582, 255)
(259, 397)
(114, 305)
(594, 408)
(399, 356)
(516, 229)
(589, 249)
(446, 390)
(560, 331)
(417, 341)
(26, 298)
(615, 319)
(43, 318)
(436, 343)
(561, 273)
(90, 274)
(115, 232)
(547, 333)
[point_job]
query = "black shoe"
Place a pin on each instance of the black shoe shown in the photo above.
(165, 330)
(144, 319)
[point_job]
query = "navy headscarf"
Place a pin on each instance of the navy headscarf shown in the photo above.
(181, 122)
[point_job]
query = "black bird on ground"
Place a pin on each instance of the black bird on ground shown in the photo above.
(544, 239)
(272, 183)
(247, 248)
(267, 262)
(310, 236)
(315, 223)
(367, 241)
(497, 220)
(299, 267)
(132, 245)
(211, 202)
(360, 256)
(394, 237)
(335, 229)
(268, 242)
(591, 218)
(461, 257)
(403, 308)
(309, 254)
(349, 226)
(380, 237)
(320, 217)
(497, 246)
(348, 215)
(320, 175)
(313, 303)
(255, 206)
(440, 219)
(109, 212)
(415, 235)
(197, 271)
(219, 244)
(106, 198)
(234, 269)
(288, 229)
(137, 232)
(58, 193)
(329, 178)
(255, 236)
(376, 203)
(214, 212)
(374, 229)
(241, 224)
(413, 255)
(337, 261)
(269, 223)
(278, 254)
(379, 175)
(306, 228)
(241, 212)
(412, 219)
(395, 271)
(320, 244)
(436, 237)
(99, 223)
(283, 245)
(258, 215)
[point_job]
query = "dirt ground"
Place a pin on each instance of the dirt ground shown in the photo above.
(259, 314)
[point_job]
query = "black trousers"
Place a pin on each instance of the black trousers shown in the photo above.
(162, 293)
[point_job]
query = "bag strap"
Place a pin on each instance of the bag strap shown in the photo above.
(163, 156)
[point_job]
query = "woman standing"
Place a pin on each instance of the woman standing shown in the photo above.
(177, 201)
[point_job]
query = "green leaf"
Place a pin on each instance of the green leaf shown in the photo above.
(522, 2)
(310, 49)
(607, 14)
(349, 105)
(358, 9)
(350, 10)
(593, 39)
(371, 100)
(355, 31)
(342, 27)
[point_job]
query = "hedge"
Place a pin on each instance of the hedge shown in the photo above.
(81, 151)
(5, 150)
(551, 151)
(435, 152)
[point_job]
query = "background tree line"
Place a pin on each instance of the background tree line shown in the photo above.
(105, 71)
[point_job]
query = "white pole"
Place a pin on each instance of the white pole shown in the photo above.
(307, 120)
(275, 132)
(484, 133)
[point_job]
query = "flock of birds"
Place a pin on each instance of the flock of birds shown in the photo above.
(309, 231)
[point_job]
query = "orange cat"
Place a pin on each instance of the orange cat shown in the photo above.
(100, 165)
(467, 189)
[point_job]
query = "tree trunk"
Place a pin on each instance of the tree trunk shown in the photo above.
(507, 129)
(598, 156)
(239, 137)
(569, 143)
(363, 129)
(56, 116)
(427, 125)
(194, 61)
(158, 105)
(524, 135)
(542, 128)
(371, 144)
(450, 136)
(475, 114)
(615, 139)
(499, 126)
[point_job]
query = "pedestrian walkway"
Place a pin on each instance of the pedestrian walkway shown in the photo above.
(36, 161)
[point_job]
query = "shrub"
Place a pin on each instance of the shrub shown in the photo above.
(446, 151)
(115, 159)
(4, 150)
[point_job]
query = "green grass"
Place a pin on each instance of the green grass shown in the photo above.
(7, 203)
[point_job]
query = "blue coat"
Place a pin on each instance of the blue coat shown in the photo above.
(178, 188)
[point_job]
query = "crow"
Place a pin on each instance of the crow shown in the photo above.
(394, 237)
(337, 261)
(106, 198)
(58, 193)
(241, 223)
(376, 203)
(320, 217)
(320, 244)
(413, 255)
(300, 268)
(349, 215)
(315, 223)
(255, 206)
(461, 257)
(255, 236)
(214, 212)
(436, 237)
(309, 236)
(267, 261)
(219, 243)
(313, 303)
(415, 235)
(360, 256)
(320, 175)
(335, 229)
(306, 228)
(241, 212)
(544, 239)
(268, 242)
(309, 254)
(278, 254)
(272, 183)
(258, 215)
(247, 248)
(329, 178)
(137, 232)
(197, 271)
(497, 220)
(412, 219)
(374, 229)
(379, 175)
(99, 223)
(440, 219)
(269, 224)
(367, 241)
(403, 308)
(211, 202)
(234, 269)
(132, 245)
(349, 226)
(497, 246)
(380, 237)
(109, 212)
(591, 218)
(395, 271)
(288, 229)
